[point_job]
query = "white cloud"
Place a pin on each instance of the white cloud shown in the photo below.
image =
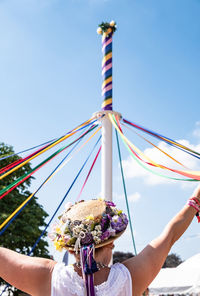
(192, 236)
(196, 132)
(134, 170)
(132, 198)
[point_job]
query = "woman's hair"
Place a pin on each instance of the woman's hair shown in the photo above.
(98, 251)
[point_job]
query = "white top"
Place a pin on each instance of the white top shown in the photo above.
(66, 282)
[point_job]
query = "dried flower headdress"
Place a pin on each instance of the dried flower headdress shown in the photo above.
(95, 222)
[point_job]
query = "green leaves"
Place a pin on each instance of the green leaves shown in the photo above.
(107, 28)
(26, 228)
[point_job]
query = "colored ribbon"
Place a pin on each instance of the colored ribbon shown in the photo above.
(21, 179)
(165, 139)
(190, 174)
(78, 197)
(88, 266)
(125, 193)
(165, 153)
(26, 150)
(13, 215)
(139, 160)
(50, 141)
(26, 160)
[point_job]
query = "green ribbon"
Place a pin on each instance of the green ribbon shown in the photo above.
(40, 165)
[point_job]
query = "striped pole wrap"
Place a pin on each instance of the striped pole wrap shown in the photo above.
(107, 71)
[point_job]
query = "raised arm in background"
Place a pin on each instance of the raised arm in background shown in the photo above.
(29, 274)
(146, 265)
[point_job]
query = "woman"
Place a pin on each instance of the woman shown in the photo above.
(39, 277)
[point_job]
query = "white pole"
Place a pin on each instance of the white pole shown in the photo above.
(107, 30)
(106, 159)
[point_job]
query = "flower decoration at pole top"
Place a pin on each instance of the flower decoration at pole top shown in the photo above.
(107, 28)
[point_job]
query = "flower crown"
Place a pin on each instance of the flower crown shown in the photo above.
(68, 233)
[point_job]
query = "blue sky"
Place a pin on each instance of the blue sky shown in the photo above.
(50, 73)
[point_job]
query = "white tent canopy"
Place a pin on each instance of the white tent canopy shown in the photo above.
(183, 279)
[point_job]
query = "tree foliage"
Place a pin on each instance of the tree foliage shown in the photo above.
(121, 256)
(27, 227)
(172, 260)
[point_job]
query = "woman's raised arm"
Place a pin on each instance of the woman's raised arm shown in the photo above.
(29, 274)
(146, 265)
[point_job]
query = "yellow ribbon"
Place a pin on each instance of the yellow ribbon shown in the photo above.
(132, 145)
(106, 58)
(156, 147)
(56, 171)
(109, 79)
(194, 173)
(47, 148)
(106, 102)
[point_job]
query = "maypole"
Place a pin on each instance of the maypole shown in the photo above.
(106, 30)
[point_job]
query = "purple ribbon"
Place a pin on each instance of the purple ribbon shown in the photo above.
(89, 267)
